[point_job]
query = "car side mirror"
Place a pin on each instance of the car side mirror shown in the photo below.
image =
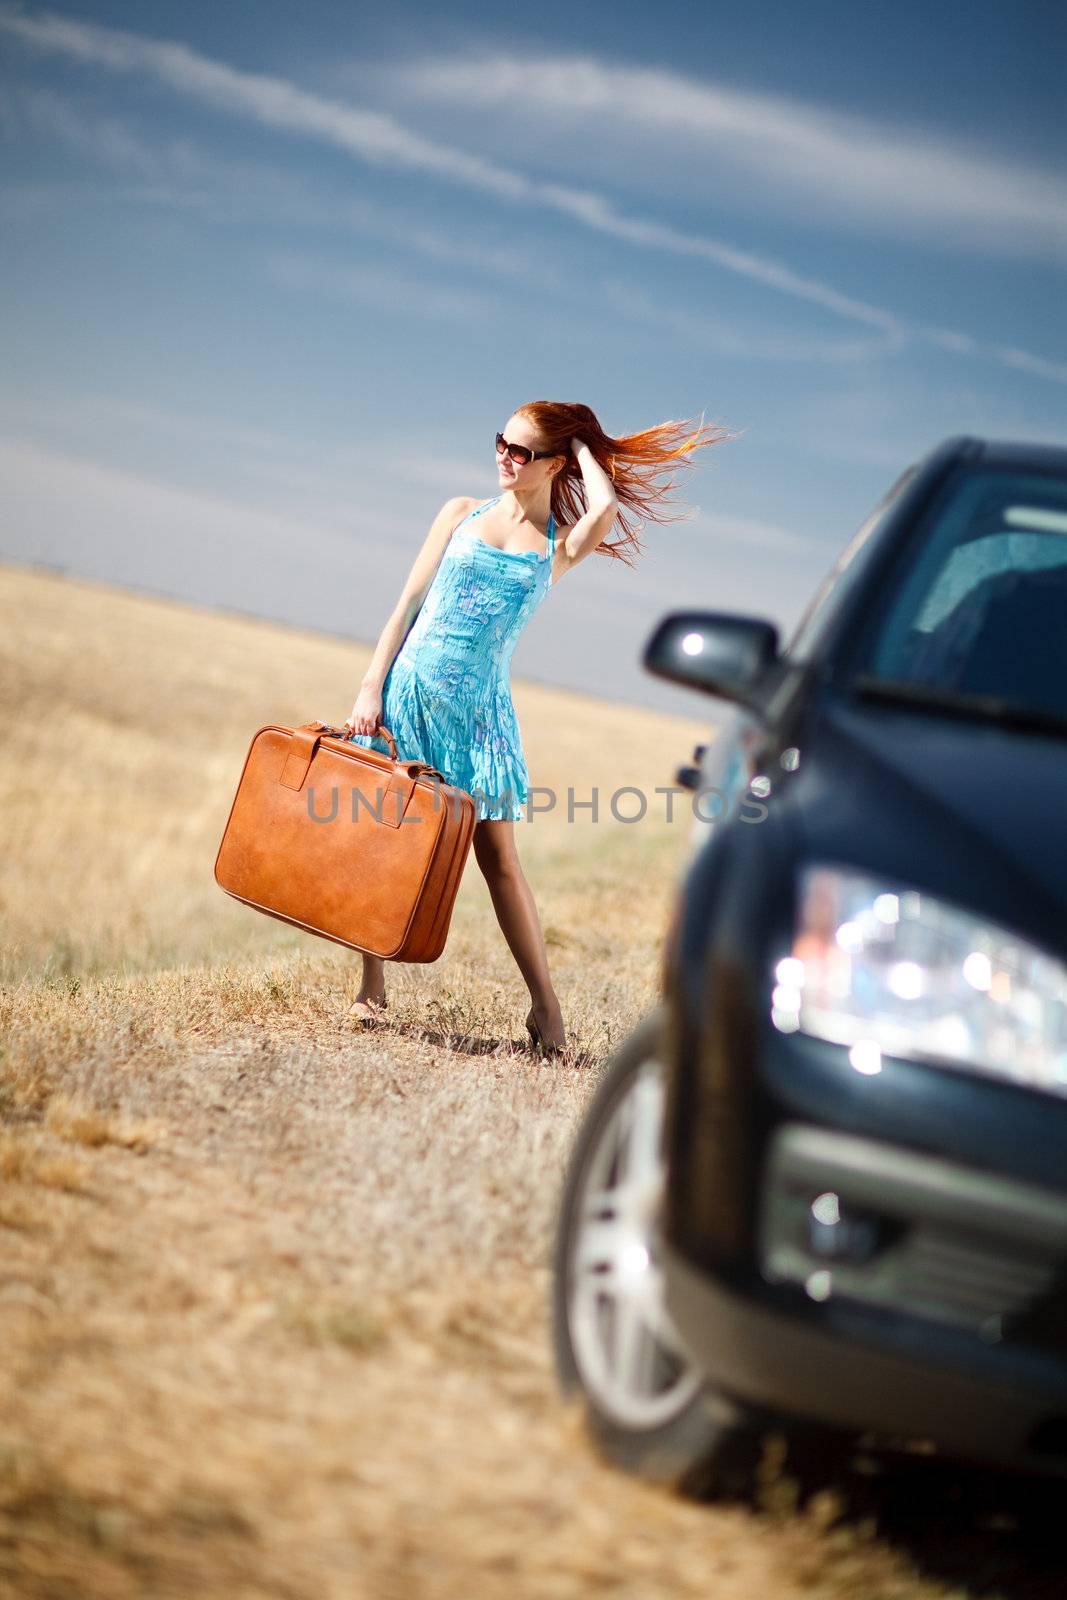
(715, 651)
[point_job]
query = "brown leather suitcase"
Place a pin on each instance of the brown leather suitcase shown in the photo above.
(360, 847)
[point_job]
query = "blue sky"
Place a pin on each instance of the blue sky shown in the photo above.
(272, 275)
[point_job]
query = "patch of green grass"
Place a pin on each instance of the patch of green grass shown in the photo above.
(203, 1514)
(351, 1326)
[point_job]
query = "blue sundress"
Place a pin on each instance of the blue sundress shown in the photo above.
(446, 698)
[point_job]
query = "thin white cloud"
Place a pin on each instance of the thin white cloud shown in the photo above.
(596, 211)
(274, 102)
(314, 477)
(181, 175)
(725, 337)
(106, 139)
(63, 508)
(1026, 362)
(375, 286)
(855, 166)
(380, 139)
(751, 531)
(877, 425)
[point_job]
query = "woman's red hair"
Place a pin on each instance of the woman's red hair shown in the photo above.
(633, 462)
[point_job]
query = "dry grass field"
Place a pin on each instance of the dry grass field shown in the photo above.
(273, 1292)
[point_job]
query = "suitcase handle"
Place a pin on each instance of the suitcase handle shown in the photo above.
(412, 768)
(344, 732)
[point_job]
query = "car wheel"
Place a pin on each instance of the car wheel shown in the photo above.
(648, 1406)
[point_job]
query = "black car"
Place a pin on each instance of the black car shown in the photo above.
(825, 1182)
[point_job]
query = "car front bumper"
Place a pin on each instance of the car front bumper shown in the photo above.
(930, 1311)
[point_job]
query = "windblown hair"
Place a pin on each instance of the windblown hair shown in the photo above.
(634, 462)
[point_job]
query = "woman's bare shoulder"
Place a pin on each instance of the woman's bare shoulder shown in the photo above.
(458, 507)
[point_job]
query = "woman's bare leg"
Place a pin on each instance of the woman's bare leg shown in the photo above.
(516, 911)
(371, 996)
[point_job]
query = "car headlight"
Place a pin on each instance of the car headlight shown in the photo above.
(884, 968)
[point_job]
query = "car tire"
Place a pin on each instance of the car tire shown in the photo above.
(648, 1407)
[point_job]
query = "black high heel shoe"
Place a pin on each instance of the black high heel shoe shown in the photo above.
(538, 1043)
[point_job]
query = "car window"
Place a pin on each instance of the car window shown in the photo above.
(843, 576)
(982, 605)
(968, 565)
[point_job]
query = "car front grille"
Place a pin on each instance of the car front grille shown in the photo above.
(850, 1219)
(954, 1280)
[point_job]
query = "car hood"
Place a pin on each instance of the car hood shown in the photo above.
(975, 812)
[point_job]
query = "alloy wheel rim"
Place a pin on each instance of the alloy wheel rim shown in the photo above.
(627, 1350)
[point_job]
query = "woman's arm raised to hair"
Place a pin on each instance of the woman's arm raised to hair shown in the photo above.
(601, 506)
(599, 489)
(414, 591)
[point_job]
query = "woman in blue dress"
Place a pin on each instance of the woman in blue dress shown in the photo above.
(439, 675)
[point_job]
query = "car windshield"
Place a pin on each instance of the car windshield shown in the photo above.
(979, 617)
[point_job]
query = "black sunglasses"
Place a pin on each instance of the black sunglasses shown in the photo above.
(521, 454)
